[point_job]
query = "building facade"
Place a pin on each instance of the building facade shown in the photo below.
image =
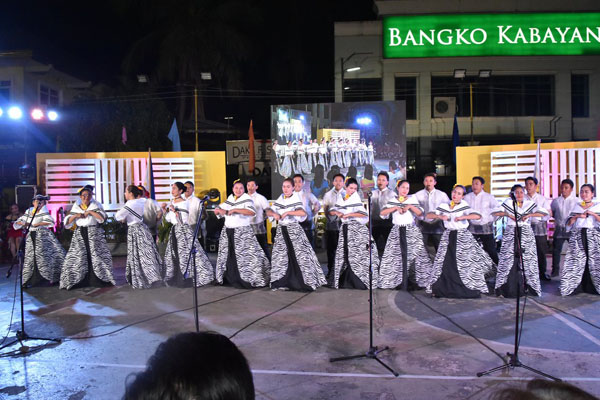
(497, 98)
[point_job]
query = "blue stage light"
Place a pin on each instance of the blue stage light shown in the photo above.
(364, 120)
(52, 115)
(1, 112)
(15, 112)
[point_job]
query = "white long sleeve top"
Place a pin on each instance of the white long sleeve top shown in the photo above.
(589, 222)
(180, 215)
(237, 220)
(527, 207)
(284, 204)
(194, 206)
(260, 205)
(408, 218)
(561, 210)
(350, 205)
(460, 209)
(132, 212)
(90, 220)
(43, 215)
(329, 200)
(484, 203)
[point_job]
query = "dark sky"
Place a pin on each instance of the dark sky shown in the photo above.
(294, 45)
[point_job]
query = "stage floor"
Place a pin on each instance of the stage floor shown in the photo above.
(288, 338)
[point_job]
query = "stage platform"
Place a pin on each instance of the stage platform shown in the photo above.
(437, 345)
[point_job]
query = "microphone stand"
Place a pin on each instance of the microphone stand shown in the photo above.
(373, 351)
(191, 256)
(21, 335)
(513, 358)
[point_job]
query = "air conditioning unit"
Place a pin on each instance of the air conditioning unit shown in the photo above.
(444, 107)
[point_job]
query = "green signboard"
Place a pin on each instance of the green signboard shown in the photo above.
(460, 35)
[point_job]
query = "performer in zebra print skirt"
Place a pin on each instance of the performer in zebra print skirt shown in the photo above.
(460, 264)
(44, 255)
(294, 263)
(179, 270)
(144, 266)
(581, 272)
(88, 261)
(241, 262)
(509, 275)
(405, 262)
(352, 261)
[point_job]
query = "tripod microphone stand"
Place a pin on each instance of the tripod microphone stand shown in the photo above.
(513, 358)
(22, 335)
(373, 351)
(191, 256)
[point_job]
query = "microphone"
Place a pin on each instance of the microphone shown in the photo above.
(512, 196)
(205, 198)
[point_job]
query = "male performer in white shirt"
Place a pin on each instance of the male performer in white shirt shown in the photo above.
(258, 222)
(332, 227)
(194, 206)
(539, 225)
(429, 199)
(561, 209)
(311, 206)
(483, 229)
(379, 199)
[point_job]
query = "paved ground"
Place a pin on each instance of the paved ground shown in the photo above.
(289, 348)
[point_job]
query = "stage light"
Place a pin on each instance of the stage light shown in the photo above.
(1, 112)
(37, 114)
(347, 88)
(364, 120)
(353, 69)
(485, 73)
(15, 112)
(460, 73)
(52, 115)
(302, 117)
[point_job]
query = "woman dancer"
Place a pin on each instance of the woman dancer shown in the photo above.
(302, 163)
(460, 264)
(352, 261)
(287, 166)
(144, 266)
(179, 269)
(88, 261)
(405, 262)
(509, 277)
(14, 236)
(311, 154)
(241, 262)
(294, 263)
(323, 154)
(44, 255)
(370, 153)
(581, 272)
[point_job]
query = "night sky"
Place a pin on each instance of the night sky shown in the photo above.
(290, 46)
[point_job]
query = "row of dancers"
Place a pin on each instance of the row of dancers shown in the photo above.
(301, 158)
(458, 269)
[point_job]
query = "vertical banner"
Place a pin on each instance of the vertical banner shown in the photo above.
(321, 140)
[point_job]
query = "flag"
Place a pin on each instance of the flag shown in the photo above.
(536, 168)
(124, 135)
(532, 137)
(151, 176)
(251, 155)
(174, 136)
(455, 138)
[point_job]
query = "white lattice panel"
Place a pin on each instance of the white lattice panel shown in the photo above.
(110, 177)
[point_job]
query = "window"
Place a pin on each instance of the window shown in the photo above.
(580, 96)
(406, 89)
(366, 89)
(4, 91)
(498, 96)
(48, 97)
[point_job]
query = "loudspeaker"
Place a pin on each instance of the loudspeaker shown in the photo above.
(23, 195)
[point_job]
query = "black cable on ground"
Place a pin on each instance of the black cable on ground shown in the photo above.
(12, 312)
(567, 313)
(458, 326)
(269, 314)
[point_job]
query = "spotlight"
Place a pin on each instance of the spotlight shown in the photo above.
(364, 120)
(52, 115)
(347, 88)
(302, 117)
(37, 114)
(15, 112)
(485, 73)
(353, 69)
(1, 112)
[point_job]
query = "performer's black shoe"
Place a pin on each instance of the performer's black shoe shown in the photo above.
(544, 277)
(554, 272)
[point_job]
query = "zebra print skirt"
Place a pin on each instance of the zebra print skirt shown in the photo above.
(294, 264)
(44, 257)
(352, 256)
(177, 255)
(404, 251)
(582, 263)
(286, 167)
(144, 266)
(507, 259)
(323, 160)
(468, 259)
(241, 261)
(88, 260)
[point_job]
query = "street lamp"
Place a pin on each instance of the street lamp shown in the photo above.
(344, 61)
